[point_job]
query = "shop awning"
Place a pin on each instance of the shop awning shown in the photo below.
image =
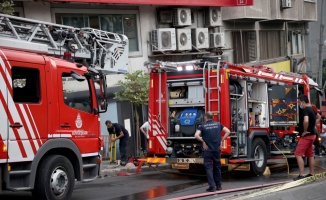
(169, 2)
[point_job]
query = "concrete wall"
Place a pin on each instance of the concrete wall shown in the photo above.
(313, 39)
(37, 10)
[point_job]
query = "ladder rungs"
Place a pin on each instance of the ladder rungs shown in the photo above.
(214, 100)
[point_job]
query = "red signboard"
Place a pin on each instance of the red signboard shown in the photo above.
(170, 2)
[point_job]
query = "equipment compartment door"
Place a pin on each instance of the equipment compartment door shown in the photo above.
(76, 118)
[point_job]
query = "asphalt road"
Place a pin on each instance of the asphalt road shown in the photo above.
(167, 184)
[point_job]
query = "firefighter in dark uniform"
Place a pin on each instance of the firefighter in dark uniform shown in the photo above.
(122, 135)
(210, 133)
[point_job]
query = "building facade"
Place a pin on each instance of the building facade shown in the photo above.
(267, 32)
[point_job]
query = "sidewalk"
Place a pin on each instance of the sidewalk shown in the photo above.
(314, 190)
(112, 169)
(308, 188)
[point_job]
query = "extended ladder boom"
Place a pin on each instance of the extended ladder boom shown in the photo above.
(100, 49)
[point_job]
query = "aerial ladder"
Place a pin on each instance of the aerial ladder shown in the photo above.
(102, 50)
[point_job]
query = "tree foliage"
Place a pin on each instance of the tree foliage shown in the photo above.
(135, 90)
(7, 7)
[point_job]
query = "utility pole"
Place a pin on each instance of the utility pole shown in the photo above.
(320, 45)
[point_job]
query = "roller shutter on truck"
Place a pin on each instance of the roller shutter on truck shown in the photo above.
(283, 104)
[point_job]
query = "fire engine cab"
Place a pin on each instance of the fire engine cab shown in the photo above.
(50, 105)
(258, 105)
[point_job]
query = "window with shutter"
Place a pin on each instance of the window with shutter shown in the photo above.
(244, 46)
(272, 43)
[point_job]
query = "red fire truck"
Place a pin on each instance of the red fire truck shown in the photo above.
(258, 105)
(50, 105)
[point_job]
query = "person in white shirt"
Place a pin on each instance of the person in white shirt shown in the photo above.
(323, 133)
(144, 130)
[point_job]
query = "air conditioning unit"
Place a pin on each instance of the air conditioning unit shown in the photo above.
(181, 17)
(184, 39)
(199, 37)
(163, 39)
(213, 17)
(216, 40)
(286, 4)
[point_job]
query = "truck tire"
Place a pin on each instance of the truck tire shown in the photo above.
(259, 152)
(55, 179)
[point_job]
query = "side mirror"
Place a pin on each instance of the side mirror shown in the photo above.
(77, 76)
(103, 102)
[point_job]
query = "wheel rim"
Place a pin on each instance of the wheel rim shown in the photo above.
(259, 154)
(59, 181)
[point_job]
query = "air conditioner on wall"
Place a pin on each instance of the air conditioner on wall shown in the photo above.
(163, 39)
(183, 39)
(199, 37)
(216, 40)
(286, 4)
(213, 17)
(181, 17)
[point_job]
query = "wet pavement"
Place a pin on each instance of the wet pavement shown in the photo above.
(160, 182)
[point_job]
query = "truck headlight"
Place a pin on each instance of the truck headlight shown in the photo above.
(169, 150)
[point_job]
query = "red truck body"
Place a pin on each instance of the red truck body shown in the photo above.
(258, 105)
(39, 123)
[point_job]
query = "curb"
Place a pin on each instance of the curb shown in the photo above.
(281, 187)
(107, 171)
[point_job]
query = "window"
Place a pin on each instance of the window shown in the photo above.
(296, 42)
(272, 44)
(244, 45)
(75, 21)
(315, 97)
(26, 85)
(126, 24)
(76, 94)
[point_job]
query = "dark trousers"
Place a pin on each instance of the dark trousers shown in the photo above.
(212, 163)
(123, 149)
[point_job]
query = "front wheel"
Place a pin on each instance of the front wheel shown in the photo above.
(55, 179)
(260, 153)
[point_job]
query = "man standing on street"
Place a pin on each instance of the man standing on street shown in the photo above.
(307, 123)
(211, 139)
(122, 135)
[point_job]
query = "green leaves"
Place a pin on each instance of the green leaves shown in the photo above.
(135, 88)
(7, 7)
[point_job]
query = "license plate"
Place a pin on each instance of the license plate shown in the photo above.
(186, 160)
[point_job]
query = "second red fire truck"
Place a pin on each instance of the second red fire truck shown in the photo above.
(258, 105)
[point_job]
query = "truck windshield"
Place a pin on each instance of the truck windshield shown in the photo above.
(76, 93)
